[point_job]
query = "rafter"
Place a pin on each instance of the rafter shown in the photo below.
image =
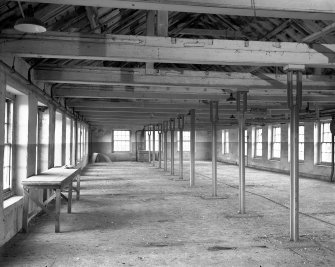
(299, 9)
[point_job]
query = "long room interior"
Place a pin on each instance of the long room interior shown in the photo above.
(176, 133)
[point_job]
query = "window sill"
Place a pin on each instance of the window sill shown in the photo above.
(323, 164)
(15, 200)
(275, 159)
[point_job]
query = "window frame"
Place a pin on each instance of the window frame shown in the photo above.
(114, 140)
(275, 142)
(8, 142)
(258, 143)
(186, 141)
(225, 142)
(321, 142)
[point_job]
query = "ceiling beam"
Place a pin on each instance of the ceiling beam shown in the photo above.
(176, 78)
(300, 9)
(163, 49)
(105, 104)
(104, 94)
(94, 93)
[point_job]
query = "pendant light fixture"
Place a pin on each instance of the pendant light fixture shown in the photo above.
(28, 23)
(231, 98)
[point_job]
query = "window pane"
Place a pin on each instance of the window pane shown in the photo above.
(121, 140)
(326, 138)
(259, 144)
(301, 142)
(186, 141)
(245, 142)
(7, 163)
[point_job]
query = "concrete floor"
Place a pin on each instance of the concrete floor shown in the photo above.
(131, 214)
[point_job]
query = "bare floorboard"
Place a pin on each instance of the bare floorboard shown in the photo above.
(133, 214)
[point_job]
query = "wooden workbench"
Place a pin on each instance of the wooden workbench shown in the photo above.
(56, 179)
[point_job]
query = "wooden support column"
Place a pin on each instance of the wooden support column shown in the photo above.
(214, 117)
(149, 137)
(25, 122)
(163, 23)
(192, 148)
(165, 131)
(52, 123)
(63, 139)
(76, 142)
(71, 142)
(2, 136)
(172, 128)
(181, 148)
(153, 145)
(159, 128)
(241, 102)
(151, 22)
(294, 104)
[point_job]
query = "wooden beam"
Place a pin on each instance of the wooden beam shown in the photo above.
(300, 9)
(317, 35)
(188, 80)
(94, 93)
(168, 105)
(229, 34)
(104, 94)
(168, 50)
(92, 16)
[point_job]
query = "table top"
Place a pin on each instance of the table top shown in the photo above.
(54, 178)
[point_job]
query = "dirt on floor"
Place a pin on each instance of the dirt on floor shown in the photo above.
(134, 214)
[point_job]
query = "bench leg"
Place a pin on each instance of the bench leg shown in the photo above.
(78, 187)
(25, 214)
(57, 212)
(69, 199)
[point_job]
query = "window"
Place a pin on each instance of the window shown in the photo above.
(275, 142)
(246, 142)
(225, 142)
(7, 164)
(58, 139)
(326, 142)
(259, 142)
(121, 141)
(186, 141)
(301, 142)
(151, 140)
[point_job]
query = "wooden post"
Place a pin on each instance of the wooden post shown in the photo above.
(294, 104)
(52, 123)
(165, 130)
(153, 145)
(214, 117)
(241, 109)
(181, 147)
(192, 148)
(57, 211)
(63, 139)
(75, 142)
(172, 128)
